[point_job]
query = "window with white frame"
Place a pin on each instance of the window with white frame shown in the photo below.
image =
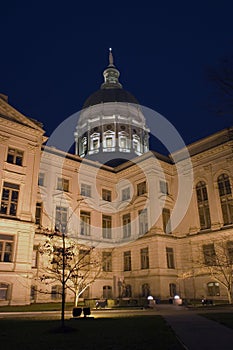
(126, 221)
(85, 221)
(10, 196)
(63, 184)
(144, 252)
(4, 291)
(6, 248)
(15, 156)
(163, 185)
(143, 221)
(85, 190)
(107, 226)
(61, 219)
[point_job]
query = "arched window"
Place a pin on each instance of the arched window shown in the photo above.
(145, 290)
(225, 194)
(107, 292)
(213, 289)
(203, 205)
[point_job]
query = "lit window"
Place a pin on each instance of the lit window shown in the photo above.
(15, 156)
(144, 258)
(203, 205)
(225, 194)
(6, 248)
(107, 261)
(63, 184)
(127, 261)
(213, 289)
(126, 220)
(10, 194)
(107, 226)
(85, 221)
(85, 190)
(4, 291)
(109, 142)
(106, 195)
(170, 258)
(141, 188)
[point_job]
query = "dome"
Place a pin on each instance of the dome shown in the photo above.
(110, 95)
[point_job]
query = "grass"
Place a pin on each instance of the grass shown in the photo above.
(36, 307)
(225, 318)
(144, 332)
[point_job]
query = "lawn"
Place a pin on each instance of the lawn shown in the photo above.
(144, 332)
(225, 318)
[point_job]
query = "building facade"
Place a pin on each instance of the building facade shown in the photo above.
(124, 210)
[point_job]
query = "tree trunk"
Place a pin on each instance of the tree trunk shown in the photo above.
(76, 299)
(229, 294)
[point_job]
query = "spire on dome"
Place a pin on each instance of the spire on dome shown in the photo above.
(110, 58)
(111, 75)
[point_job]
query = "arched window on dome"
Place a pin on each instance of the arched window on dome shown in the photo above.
(225, 194)
(136, 144)
(94, 143)
(123, 141)
(203, 205)
(83, 146)
(109, 141)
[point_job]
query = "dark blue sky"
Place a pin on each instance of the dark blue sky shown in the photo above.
(53, 54)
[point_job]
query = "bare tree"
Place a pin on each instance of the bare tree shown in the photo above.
(82, 264)
(214, 259)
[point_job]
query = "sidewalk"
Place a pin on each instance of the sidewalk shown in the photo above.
(196, 332)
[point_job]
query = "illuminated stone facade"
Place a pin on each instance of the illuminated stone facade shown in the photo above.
(123, 211)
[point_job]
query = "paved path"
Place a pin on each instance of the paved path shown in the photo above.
(196, 332)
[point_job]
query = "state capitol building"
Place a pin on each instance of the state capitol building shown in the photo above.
(146, 224)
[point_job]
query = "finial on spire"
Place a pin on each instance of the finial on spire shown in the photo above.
(110, 57)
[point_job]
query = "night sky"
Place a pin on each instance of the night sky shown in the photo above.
(53, 54)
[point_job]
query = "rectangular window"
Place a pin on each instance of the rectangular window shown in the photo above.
(163, 185)
(141, 188)
(6, 248)
(106, 195)
(107, 261)
(41, 178)
(209, 254)
(125, 194)
(38, 216)
(35, 257)
(61, 219)
(144, 258)
(170, 258)
(85, 190)
(10, 195)
(63, 184)
(109, 141)
(85, 221)
(56, 292)
(166, 220)
(14, 156)
(127, 261)
(4, 291)
(143, 221)
(126, 225)
(107, 226)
